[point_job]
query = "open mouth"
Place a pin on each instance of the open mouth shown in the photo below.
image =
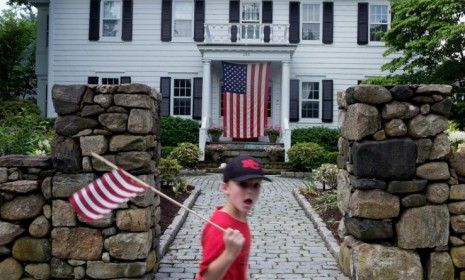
(248, 201)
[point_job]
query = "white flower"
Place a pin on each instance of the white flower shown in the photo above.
(457, 137)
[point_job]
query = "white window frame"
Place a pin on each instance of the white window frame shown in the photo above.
(175, 38)
(241, 20)
(388, 9)
(191, 79)
(320, 40)
(120, 29)
(320, 100)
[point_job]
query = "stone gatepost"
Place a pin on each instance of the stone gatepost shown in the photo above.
(394, 182)
(121, 123)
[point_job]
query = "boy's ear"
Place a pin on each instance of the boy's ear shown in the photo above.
(224, 187)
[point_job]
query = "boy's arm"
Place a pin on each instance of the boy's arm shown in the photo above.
(233, 241)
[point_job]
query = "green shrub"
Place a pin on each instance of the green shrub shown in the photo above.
(306, 156)
(169, 170)
(187, 155)
(325, 137)
(330, 157)
(10, 108)
(326, 174)
(166, 151)
(174, 131)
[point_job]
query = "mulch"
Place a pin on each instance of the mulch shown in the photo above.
(168, 209)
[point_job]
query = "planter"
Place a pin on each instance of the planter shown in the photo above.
(273, 138)
(214, 137)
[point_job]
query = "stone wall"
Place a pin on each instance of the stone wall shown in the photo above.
(41, 237)
(396, 187)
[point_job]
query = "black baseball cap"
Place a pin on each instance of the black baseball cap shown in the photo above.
(243, 168)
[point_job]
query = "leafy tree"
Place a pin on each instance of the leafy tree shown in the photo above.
(17, 55)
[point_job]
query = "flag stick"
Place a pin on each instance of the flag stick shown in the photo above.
(104, 160)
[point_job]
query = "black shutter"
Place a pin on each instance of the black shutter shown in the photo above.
(294, 101)
(199, 20)
(197, 110)
(166, 18)
(328, 18)
(92, 80)
(362, 24)
(234, 10)
(125, 80)
(267, 17)
(165, 89)
(327, 101)
(94, 20)
(127, 21)
(294, 22)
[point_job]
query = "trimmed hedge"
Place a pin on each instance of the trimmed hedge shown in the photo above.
(323, 136)
(174, 131)
(306, 156)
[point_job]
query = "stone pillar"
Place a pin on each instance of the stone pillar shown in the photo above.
(393, 182)
(120, 123)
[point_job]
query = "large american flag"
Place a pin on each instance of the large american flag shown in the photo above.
(245, 99)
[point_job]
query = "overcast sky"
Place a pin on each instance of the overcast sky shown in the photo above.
(3, 4)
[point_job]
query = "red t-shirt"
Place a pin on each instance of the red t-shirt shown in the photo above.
(213, 245)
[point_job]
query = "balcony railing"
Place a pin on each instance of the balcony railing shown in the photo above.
(254, 33)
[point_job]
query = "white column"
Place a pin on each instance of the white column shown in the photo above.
(206, 104)
(285, 81)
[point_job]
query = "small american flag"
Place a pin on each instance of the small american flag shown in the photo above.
(245, 98)
(104, 194)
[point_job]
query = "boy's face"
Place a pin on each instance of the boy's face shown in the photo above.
(242, 195)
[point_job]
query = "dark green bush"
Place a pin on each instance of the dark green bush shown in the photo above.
(330, 157)
(174, 131)
(306, 156)
(166, 151)
(9, 108)
(325, 137)
(170, 175)
(187, 155)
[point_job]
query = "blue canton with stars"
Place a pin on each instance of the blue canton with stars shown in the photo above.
(234, 78)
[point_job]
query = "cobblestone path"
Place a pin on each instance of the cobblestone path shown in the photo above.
(285, 243)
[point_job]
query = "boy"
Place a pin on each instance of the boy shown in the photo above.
(225, 256)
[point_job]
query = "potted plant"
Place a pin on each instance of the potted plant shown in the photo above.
(215, 151)
(273, 133)
(215, 132)
(274, 152)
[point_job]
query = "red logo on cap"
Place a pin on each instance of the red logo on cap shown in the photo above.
(250, 163)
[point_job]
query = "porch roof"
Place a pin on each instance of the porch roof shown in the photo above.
(247, 52)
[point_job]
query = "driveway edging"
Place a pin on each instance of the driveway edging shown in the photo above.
(320, 226)
(172, 230)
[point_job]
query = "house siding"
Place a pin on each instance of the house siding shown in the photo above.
(72, 57)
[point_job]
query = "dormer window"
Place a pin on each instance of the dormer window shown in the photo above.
(311, 22)
(250, 19)
(111, 18)
(183, 19)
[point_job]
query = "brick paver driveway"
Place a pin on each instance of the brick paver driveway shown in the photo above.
(285, 243)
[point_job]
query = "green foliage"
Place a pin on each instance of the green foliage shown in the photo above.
(187, 155)
(306, 156)
(430, 40)
(325, 137)
(176, 130)
(327, 174)
(10, 108)
(24, 132)
(330, 157)
(326, 201)
(169, 170)
(458, 114)
(166, 151)
(17, 55)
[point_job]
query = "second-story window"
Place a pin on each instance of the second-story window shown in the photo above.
(310, 100)
(110, 81)
(182, 18)
(311, 22)
(182, 97)
(378, 21)
(111, 19)
(250, 19)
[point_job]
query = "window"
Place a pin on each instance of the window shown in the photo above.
(110, 81)
(182, 97)
(111, 19)
(250, 19)
(311, 22)
(182, 18)
(378, 21)
(310, 100)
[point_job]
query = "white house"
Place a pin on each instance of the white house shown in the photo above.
(314, 49)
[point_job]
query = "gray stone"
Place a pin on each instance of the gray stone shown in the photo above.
(134, 88)
(86, 164)
(46, 188)
(458, 223)
(115, 122)
(413, 200)
(101, 132)
(343, 191)
(341, 99)
(395, 128)
(60, 269)
(127, 143)
(379, 135)
(441, 147)
(79, 272)
(370, 159)
(140, 121)
(424, 109)
(133, 219)
(22, 186)
(457, 162)
(3, 174)
(8, 232)
(47, 211)
(129, 246)
(65, 246)
(434, 89)
(39, 227)
(370, 94)
(458, 256)
(401, 92)
(424, 147)
(97, 144)
(367, 184)
(38, 271)
(117, 109)
(88, 97)
(67, 98)
(361, 120)
(103, 100)
(70, 125)
(63, 214)
(91, 110)
(406, 186)
(133, 160)
(100, 166)
(29, 249)
(24, 161)
(374, 204)
(4, 251)
(367, 229)
(437, 192)
(423, 227)
(434, 171)
(11, 269)
(429, 125)
(456, 242)
(66, 155)
(423, 99)
(457, 192)
(132, 100)
(457, 208)
(443, 108)
(440, 267)
(66, 184)
(103, 222)
(22, 207)
(101, 270)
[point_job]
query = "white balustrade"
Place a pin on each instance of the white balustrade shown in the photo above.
(247, 33)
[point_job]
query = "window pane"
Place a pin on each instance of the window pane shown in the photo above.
(310, 90)
(311, 31)
(182, 28)
(183, 10)
(311, 12)
(310, 109)
(110, 28)
(111, 9)
(378, 14)
(250, 12)
(377, 31)
(182, 106)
